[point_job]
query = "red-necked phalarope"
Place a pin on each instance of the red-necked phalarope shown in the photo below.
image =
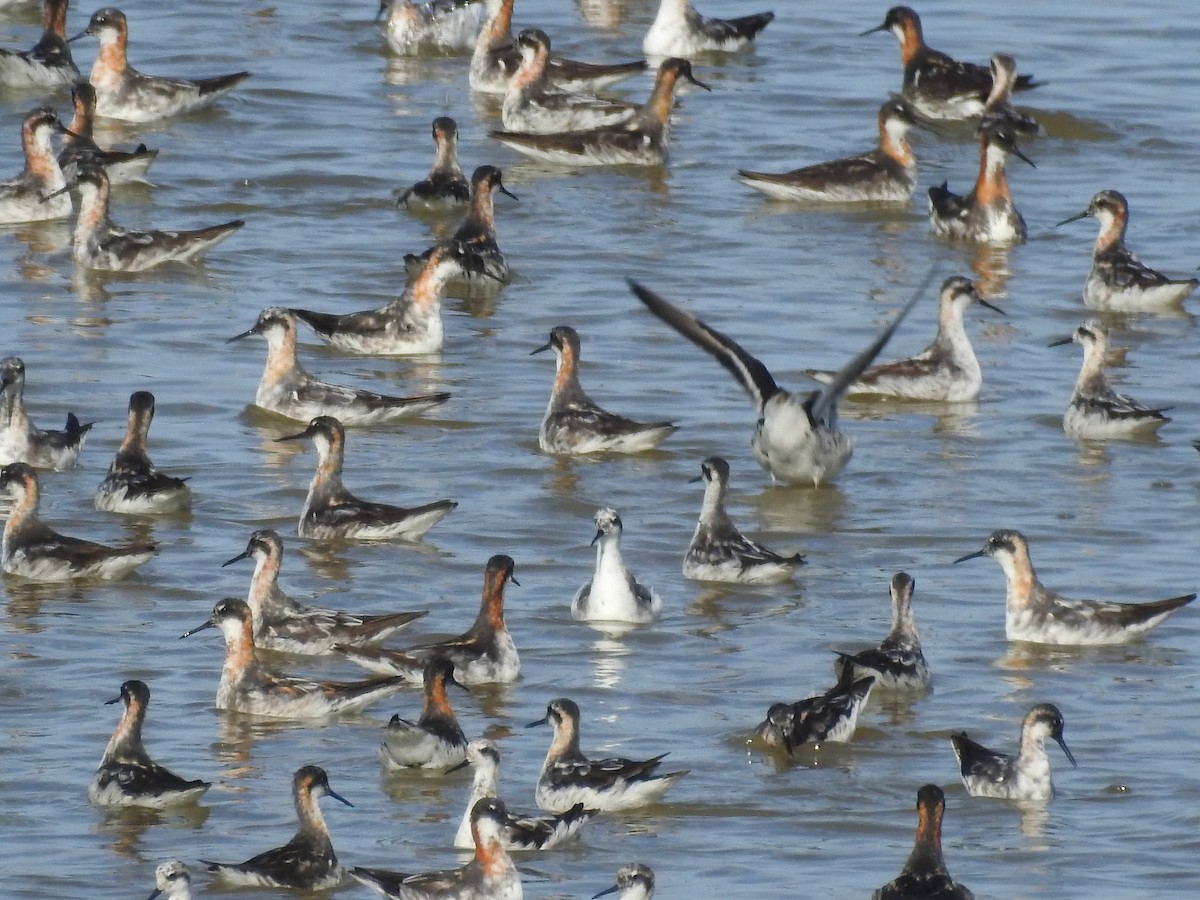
(831, 716)
(938, 86)
(133, 484)
(718, 551)
(101, 244)
(898, 662)
(634, 882)
(283, 625)
(49, 63)
(987, 215)
(1026, 776)
(998, 108)
(678, 30)
(21, 440)
(612, 594)
(474, 248)
(127, 775)
(122, 92)
(610, 785)
(924, 874)
(332, 513)
(491, 874)
(574, 423)
(290, 391)
(1096, 411)
(172, 881)
(797, 438)
(306, 862)
(412, 323)
(445, 187)
(1119, 280)
(250, 687)
(435, 740)
(79, 147)
(1037, 614)
(533, 104)
(37, 194)
(439, 26)
(945, 370)
(484, 654)
(884, 175)
(33, 550)
(640, 141)
(521, 832)
(496, 59)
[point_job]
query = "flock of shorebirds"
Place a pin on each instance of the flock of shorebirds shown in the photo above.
(548, 114)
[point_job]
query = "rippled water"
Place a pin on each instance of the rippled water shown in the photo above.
(309, 150)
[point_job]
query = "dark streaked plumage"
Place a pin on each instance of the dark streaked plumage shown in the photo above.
(898, 662)
(21, 440)
(48, 63)
(332, 513)
(127, 775)
(306, 862)
(435, 740)
(133, 483)
(1026, 776)
(80, 148)
(635, 881)
(831, 716)
(718, 551)
(679, 30)
(445, 187)
(987, 215)
(998, 108)
(924, 876)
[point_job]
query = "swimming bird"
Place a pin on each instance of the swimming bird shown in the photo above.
(987, 215)
(287, 389)
(79, 146)
(127, 775)
(574, 424)
(678, 30)
(612, 594)
(21, 440)
(534, 105)
(306, 862)
(474, 247)
(521, 832)
(496, 59)
(35, 551)
(640, 141)
(634, 882)
(490, 874)
(1026, 776)
(610, 785)
(1036, 614)
(924, 876)
(284, 625)
(412, 323)
(332, 513)
(439, 26)
(484, 654)
(938, 86)
(248, 686)
(133, 483)
(718, 551)
(831, 716)
(435, 740)
(998, 108)
(36, 194)
(101, 244)
(887, 174)
(797, 438)
(48, 63)
(172, 881)
(1119, 280)
(1096, 411)
(122, 92)
(946, 370)
(897, 663)
(445, 187)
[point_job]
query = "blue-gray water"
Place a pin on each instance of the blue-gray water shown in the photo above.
(309, 150)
